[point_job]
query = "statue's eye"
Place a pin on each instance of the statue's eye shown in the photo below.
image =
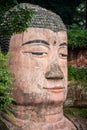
(63, 52)
(36, 50)
(63, 55)
(37, 54)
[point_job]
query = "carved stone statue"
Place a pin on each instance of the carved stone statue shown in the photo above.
(38, 60)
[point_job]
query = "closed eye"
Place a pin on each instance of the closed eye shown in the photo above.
(36, 53)
(62, 55)
(63, 52)
(65, 55)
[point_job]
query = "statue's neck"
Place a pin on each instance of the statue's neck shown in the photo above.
(39, 117)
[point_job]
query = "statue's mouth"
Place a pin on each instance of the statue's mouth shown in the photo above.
(56, 89)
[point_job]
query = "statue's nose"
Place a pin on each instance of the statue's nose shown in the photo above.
(53, 71)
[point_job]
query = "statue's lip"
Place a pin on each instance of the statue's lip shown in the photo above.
(56, 89)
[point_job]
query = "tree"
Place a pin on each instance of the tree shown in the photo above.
(77, 37)
(80, 15)
(5, 82)
(14, 20)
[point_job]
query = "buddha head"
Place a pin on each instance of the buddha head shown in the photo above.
(38, 59)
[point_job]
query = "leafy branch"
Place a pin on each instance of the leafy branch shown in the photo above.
(16, 20)
(5, 81)
(77, 37)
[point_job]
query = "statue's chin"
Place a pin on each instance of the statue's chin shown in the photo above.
(39, 98)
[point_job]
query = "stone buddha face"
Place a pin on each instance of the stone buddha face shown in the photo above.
(38, 59)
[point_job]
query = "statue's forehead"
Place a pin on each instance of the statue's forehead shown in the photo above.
(40, 34)
(43, 33)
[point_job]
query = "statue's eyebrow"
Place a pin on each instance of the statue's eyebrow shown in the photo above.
(36, 41)
(63, 44)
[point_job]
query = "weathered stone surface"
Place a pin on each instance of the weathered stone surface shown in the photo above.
(77, 95)
(40, 71)
(24, 120)
(41, 90)
(44, 18)
(80, 123)
(78, 57)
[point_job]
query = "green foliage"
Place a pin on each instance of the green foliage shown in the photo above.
(5, 5)
(77, 37)
(80, 112)
(5, 82)
(80, 15)
(77, 74)
(16, 20)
